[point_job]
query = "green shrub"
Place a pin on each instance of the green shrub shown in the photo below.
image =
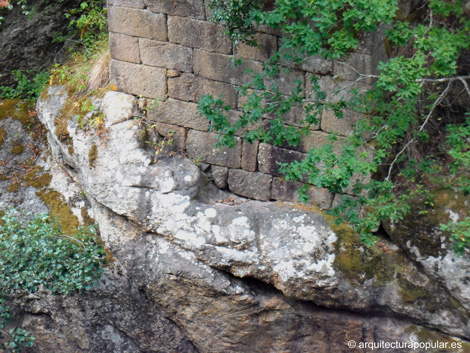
(37, 255)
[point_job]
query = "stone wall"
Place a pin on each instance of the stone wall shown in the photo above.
(169, 50)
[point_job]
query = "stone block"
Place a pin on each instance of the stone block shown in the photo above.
(335, 89)
(221, 67)
(343, 126)
(176, 133)
(269, 156)
(124, 47)
(249, 156)
(139, 80)
(317, 65)
(253, 185)
(166, 55)
(287, 190)
(357, 64)
(134, 4)
(191, 88)
(316, 139)
(234, 115)
(220, 175)
(287, 80)
(265, 48)
(138, 23)
(175, 112)
(198, 34)
(200, 147)
(184, 8)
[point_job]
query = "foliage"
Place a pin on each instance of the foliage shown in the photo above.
(37, 255)
(88, 23)
(404, 110)
(26, 87)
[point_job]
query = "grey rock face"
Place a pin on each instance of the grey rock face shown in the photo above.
(231, 274)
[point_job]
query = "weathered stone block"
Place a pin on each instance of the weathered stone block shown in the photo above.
(139, 80)
(220, 67)
(360, 64)
(269, 156)
(220, 175)
(317, 65)
(200, 146)
(287, 80)
(124, 48)
(265, 48)
(135, 4)
(173, 132)
(249, 156)
(138, 23)
(336, 89)
(287, 190)
(185, 8)
(191, 88)
(316, 139)
(198, 34)
(166, 55)
(253, 185)
(344, 126)
(179, 113)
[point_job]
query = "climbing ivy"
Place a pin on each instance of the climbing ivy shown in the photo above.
(410, 106)
(37, 255)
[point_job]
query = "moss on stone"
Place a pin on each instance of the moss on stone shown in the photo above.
(357, 262)
(87, 220)
(36, 178)
(14, 187)
(17, 148)
(92, 155)
(57, 206)
(17, 110)
(8, 108)
(425, 335)
(411, 292)
(3, 135)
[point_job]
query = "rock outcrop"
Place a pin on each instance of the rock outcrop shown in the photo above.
(199, 269)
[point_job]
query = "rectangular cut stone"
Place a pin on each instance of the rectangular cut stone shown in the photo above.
(200, 146)
(253, 185)
(124, 47)
(265, 48)
(287, 80)
(191, 88)
(184, 8)
(139, 80)
(335, 90)
(179, 113)
(173, 132)
(316, 139)
(138, 23)
(357, 63)
(198, 34)
(166, 55)
(269, 156)
(343, 126)
(135, 4)
(220, 67)
(249, 156)
(288, 190)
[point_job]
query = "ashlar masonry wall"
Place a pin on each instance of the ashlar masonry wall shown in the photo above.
(169, 50)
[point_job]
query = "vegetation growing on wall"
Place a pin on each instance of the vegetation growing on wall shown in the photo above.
(414, 112)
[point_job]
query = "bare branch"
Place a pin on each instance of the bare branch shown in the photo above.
(431, 111)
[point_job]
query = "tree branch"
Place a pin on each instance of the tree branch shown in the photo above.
(431, 111)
